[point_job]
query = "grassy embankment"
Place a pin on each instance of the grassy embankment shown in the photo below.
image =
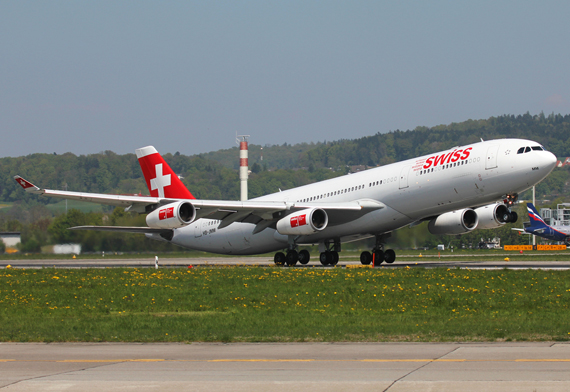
(277, 304)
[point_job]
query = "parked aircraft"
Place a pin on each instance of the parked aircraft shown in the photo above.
(457, 190)
(538, 227)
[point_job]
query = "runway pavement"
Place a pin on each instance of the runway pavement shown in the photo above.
(148, 262)
(285, 367)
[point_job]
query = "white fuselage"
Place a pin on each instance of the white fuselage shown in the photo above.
(411, 190)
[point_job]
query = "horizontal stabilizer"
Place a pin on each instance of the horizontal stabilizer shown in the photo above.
(125, 229)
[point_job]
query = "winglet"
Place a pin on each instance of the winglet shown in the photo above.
(27, 185)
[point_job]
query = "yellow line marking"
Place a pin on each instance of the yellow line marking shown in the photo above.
(542, 360)
(284, 360)
(263, 360)
(110, 360)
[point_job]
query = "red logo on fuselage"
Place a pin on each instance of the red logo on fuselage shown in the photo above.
(166, 213)
(298, 220)
(450, 157)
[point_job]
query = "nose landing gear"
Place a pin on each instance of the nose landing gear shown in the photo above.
(510, 216)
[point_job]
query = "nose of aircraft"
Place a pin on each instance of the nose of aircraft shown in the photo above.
(548, 161)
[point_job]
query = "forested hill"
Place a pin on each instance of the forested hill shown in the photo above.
(214, 175)
(552, 131)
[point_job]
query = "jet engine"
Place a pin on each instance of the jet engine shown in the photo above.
(303, 222)
(454, 222)
(172, 216)
(492, 216)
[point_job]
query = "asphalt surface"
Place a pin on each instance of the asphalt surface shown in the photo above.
(285, 367)
(149, 262)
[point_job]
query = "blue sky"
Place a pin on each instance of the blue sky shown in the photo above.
(186, 76)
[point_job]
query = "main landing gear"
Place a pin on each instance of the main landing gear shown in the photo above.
(378, 255)
(292, 257)
(330, 255)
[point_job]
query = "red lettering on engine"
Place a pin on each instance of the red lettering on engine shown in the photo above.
(295, 221)
(300, 220)
(166, 213)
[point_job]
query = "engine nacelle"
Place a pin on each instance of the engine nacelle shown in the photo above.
(303, 222)
(492, 216)
(172, 216)
(454, 222)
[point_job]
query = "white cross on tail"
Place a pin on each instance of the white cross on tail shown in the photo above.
(160, 182)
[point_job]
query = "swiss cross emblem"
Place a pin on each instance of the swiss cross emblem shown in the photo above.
(25, 184)
(160, 182)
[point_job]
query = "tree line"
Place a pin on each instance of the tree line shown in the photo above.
(214, 175)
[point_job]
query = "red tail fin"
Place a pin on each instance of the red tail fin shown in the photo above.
(160, 179)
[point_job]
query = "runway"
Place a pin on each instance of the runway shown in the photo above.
(287, 367)
(216, 261)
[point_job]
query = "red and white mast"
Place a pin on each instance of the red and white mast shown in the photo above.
(243, 165)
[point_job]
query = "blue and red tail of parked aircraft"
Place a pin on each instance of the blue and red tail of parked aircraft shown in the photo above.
(538, 226)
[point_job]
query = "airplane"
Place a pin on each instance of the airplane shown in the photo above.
(538, 227)
(456, 191)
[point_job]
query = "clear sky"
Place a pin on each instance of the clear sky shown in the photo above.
(89, 76)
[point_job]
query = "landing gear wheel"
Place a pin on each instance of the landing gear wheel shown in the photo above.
(510, 217)
(389, 256)
(325, 258)
(378, 257)
(279, 258)
(334, 258)
(304, 256)
(366, 258)
(292, 258)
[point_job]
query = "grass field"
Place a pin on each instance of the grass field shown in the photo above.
(282, 305)
(61, 207)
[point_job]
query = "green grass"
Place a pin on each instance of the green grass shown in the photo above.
(108, 255)
(282, 305)
(5, 204)
(60, 207)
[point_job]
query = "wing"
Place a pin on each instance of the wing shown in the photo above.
(135, 203)
(260, 212)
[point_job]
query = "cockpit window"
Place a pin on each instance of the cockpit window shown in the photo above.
(529, 149)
